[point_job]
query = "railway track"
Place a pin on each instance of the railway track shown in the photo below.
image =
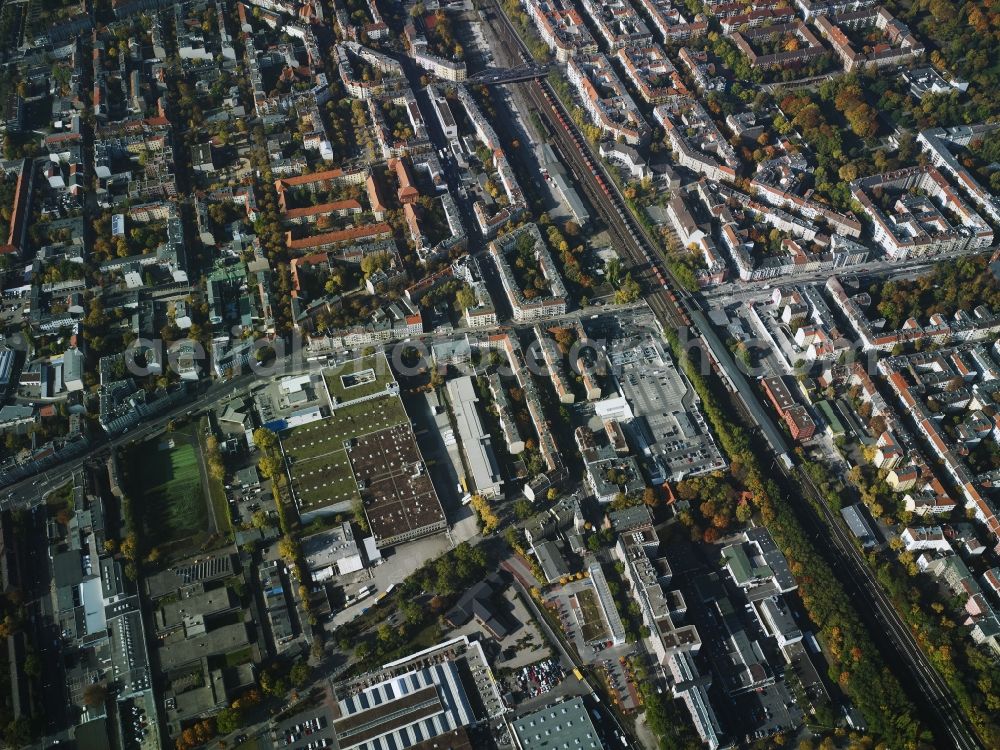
(672, 304)
(941, 700)
(662, 292)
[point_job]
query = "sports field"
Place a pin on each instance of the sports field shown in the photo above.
(321, 472)
(169, 497)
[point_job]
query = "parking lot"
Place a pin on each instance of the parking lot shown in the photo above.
(244, 501)
(308, 730)
(398, 563)
(535, 679)
(616, 676)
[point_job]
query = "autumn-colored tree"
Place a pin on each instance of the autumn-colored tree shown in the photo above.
(265, 439)
(287, 549)
(95, 694)
(129, 546)
(270, 466)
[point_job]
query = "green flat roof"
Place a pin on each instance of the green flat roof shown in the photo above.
(321, 472)
(359, 378)
(831, 417)
(742, 567)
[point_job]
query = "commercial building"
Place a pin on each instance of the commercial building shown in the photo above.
(275, 586)
(566, 724)
(476, 603)
(332, 552)
(411, 701)
(755, 560)
(659, 411)
(363, 379)
(607, 602)
(475, 441)
(73, 365)
(650, 575)
(551, 560)
(402, 710)
(398, 495)
(692, 687)
(856, 521)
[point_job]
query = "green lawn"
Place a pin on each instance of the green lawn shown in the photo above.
(168, 489)
(220, 505)
(232, 659)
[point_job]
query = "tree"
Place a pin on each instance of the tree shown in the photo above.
(446, 578)
(264, 439)
(316, 651)
(522, 509)
(487, 515)
(269, 465)
(374, 262)
(384, 633)
(129, 546)
(628, 292)
(95, 694)
(465, 298)
(412, 613)
(271, 684)
(613, 270)
(299, 674)
(288, 549)
(228, 720)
